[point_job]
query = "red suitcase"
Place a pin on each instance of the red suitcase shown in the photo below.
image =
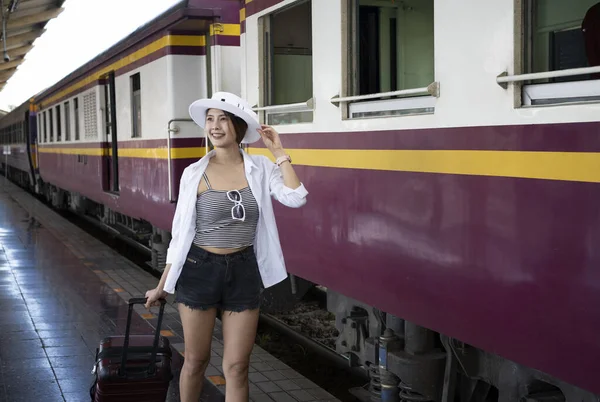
(133, 368)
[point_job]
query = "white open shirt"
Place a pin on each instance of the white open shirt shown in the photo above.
(265, 180)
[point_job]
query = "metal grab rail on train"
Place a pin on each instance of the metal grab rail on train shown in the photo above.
(169, 158)
(504, 79)
(308, 104)
(432, 89)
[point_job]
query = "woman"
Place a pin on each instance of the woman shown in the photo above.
(225, 245)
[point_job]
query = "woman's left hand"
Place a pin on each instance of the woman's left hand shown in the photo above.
(271, 140)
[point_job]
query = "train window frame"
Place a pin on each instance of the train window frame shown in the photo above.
(67, 108)
(40, 134)
(45, 127)
(390, 103)
(269, 112)
(528, 90)
(51, 124)
(135, 84)
(76, 117)
(59, 119)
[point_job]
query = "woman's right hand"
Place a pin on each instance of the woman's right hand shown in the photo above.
(153, 296)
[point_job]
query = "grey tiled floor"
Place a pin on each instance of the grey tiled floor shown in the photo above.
(54, 309)
(63, 291)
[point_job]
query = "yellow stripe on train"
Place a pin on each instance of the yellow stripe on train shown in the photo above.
(569, 166)
(225, 29)
(152, 153)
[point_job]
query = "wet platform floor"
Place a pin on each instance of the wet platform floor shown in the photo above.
(62, 291)
(54, 310)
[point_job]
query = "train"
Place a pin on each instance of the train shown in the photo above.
(451, 151)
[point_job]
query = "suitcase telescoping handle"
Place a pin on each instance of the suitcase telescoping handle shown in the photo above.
(142, 300)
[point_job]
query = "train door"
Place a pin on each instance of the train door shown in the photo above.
(30, 137)
(111, 154)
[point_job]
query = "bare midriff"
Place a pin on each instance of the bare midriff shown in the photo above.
(222, 251)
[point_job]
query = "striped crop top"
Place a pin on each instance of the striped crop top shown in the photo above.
(225, 219)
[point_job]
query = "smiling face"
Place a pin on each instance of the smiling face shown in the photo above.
(221, 126)
(219, 129)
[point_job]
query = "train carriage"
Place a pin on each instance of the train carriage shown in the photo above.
(18, 139)
(451, 154)
(115, 134)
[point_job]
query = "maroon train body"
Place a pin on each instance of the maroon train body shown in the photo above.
(506, 264)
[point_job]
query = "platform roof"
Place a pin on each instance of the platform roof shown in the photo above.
(24, 21)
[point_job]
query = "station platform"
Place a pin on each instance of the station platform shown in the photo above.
(62, 291)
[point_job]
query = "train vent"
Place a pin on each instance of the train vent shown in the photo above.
(90, 115)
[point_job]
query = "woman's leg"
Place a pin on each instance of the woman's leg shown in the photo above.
(197, 333)
(239, 333)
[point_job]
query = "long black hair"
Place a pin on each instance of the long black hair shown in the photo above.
(239, 126)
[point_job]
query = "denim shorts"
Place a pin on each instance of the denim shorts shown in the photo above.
(229, 282)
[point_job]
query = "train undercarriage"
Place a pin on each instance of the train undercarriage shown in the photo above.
(407, 362)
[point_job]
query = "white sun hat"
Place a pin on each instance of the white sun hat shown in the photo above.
(230, 103)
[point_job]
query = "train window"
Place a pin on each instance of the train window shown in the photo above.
(561, 35)
(208, 49)
(45, 127)
(286, 69)
(390, 48)
(51, 124)
(76, 116)
(58, 125)
(136, 106)
(67, 121)
(39, 127)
